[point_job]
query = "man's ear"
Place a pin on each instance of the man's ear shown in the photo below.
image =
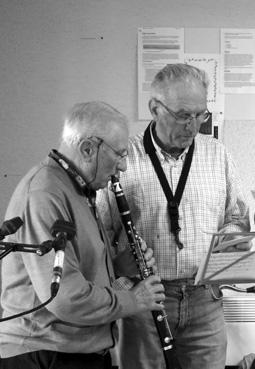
(153, 108)
(87, 148)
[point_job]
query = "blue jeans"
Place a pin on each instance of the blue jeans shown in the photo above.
(196, 320)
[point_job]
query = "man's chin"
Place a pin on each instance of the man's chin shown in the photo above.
(104, 184)
(186, 141)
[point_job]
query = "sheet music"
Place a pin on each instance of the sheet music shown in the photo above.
(227, 267)
(233, 266)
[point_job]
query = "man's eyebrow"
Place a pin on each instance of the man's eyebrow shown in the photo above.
(190, 112)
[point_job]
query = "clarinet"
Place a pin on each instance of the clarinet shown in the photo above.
(159, 317)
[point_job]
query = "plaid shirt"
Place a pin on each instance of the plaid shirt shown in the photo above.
(212, 201)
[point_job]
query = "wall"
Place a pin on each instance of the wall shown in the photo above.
(54, 53)
(57, 52)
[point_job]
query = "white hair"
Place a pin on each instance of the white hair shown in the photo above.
(89, 119)
(172, 73)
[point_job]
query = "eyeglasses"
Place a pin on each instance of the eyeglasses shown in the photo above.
(121, 154)
(185, 118)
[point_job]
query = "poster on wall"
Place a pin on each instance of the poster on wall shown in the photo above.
(156, 48)
(210, 63)
(238, 61)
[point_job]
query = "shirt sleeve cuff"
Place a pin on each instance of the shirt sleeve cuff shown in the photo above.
(123, 283)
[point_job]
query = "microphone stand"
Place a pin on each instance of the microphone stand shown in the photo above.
(40, 250)
(62, 231)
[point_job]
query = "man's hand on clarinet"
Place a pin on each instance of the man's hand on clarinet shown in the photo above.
(125, 265)
(149, 294)
(148, 256)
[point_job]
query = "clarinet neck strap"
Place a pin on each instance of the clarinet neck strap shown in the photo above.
(173, 200)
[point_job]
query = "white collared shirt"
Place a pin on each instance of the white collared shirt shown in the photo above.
(212, 201)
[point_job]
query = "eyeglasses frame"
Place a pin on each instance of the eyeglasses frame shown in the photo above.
(188, 120)
(117, 153)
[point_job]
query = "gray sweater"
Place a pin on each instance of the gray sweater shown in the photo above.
(79, 318)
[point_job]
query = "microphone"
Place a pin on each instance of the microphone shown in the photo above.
(10, 227)
(62, 231)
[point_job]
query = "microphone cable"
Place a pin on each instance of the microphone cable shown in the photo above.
(27, 311)
(62, 231)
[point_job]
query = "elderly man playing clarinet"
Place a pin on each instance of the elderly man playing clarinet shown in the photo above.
(77, 329)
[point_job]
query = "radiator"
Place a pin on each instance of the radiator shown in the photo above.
(239, 313)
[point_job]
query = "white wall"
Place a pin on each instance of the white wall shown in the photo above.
(54, 53)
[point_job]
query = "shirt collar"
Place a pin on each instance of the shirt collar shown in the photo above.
(162, 154)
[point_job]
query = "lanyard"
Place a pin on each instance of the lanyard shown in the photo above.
(77, 179)
(81, 185)
(173, 200)
(69, 168)
(90, 194)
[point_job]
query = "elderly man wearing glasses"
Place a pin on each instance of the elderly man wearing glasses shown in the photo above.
(76, 329)
(180, 185)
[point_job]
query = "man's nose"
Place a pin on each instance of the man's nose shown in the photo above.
(192, 123)
(122, 165)
(192, 118)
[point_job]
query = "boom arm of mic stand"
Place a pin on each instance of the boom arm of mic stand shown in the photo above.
(40, 250)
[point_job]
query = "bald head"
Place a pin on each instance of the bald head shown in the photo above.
(95, 141)
(93, 118)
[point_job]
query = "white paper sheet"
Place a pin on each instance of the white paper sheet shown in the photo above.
(156, 48)
(210, 63)
(238, 60)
